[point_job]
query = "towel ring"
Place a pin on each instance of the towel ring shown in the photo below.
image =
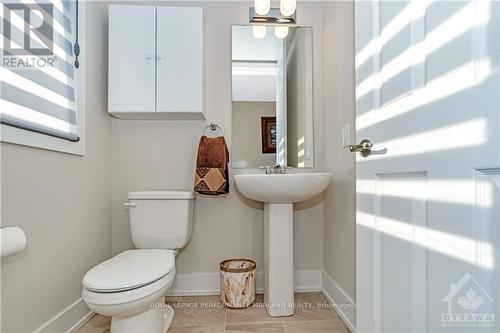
(213, 127)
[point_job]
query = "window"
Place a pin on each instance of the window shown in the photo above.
(41, 86)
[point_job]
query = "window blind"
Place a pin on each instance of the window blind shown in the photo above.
(38, 75)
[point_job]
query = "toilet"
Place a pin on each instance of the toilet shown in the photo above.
(131, 286)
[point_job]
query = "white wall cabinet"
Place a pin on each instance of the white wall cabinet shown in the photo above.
(131, 63)
(155, 64)
(180, 59)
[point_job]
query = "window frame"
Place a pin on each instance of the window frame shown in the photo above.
(27, 138)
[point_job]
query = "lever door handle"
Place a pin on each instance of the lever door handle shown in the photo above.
(129, 204)
(364, 148)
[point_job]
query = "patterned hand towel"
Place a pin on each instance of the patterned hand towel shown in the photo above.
(212, 174)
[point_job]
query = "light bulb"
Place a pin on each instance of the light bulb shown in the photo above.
(262, 7)
(281, 32)
(259, 31)
(288, 7)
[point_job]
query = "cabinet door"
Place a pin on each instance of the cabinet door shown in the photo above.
(179, 59)
(131, 58)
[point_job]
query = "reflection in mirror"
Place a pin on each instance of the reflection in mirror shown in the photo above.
(272, 105)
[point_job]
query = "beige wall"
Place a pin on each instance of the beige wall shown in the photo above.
(340, 209)
(65, 203)
(160, 155)
(62, 202)
(246, 144)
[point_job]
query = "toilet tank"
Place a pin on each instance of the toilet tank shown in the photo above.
(161, 219)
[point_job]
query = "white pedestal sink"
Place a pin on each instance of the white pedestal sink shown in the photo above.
(279, 192)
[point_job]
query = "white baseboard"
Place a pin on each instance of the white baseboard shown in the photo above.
(208, 283)
(68, 320)
(346, 307)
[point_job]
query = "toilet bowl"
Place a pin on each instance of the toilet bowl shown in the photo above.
(131, 286)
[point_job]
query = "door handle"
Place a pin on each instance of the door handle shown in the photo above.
(129, 204)
(365, 148)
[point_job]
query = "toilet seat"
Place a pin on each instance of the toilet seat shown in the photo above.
(107, 299)
(130, 270)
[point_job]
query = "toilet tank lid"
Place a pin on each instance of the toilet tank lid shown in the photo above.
(172, 195)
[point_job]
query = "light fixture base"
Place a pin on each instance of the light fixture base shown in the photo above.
(274, 16)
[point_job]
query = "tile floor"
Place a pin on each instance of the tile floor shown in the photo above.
(205, 314)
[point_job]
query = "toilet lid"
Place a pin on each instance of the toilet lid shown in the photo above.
(130, 269)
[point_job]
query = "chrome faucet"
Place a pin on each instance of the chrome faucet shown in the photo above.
(281, 169)
(278, 169)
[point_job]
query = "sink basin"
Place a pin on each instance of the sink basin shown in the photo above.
(279, 193)
(287, 188)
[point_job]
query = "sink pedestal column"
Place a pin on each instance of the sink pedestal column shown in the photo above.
(278, 259)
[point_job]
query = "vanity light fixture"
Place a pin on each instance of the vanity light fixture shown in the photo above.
(259, 31)
(262, 7)
(281, 31)
(274, 16)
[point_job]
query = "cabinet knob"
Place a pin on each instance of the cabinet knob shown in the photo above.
(149, 56)
(159, 57)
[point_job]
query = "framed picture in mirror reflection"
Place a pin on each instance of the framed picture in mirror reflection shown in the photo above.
(268, 129)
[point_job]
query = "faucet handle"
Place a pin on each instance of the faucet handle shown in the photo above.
(268, 169)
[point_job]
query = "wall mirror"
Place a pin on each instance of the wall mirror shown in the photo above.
(272, 103)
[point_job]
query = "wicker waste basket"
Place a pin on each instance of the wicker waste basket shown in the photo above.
(237, 282)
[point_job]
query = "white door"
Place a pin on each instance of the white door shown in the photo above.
(131, 58)
(428, 210)
(179, 59)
